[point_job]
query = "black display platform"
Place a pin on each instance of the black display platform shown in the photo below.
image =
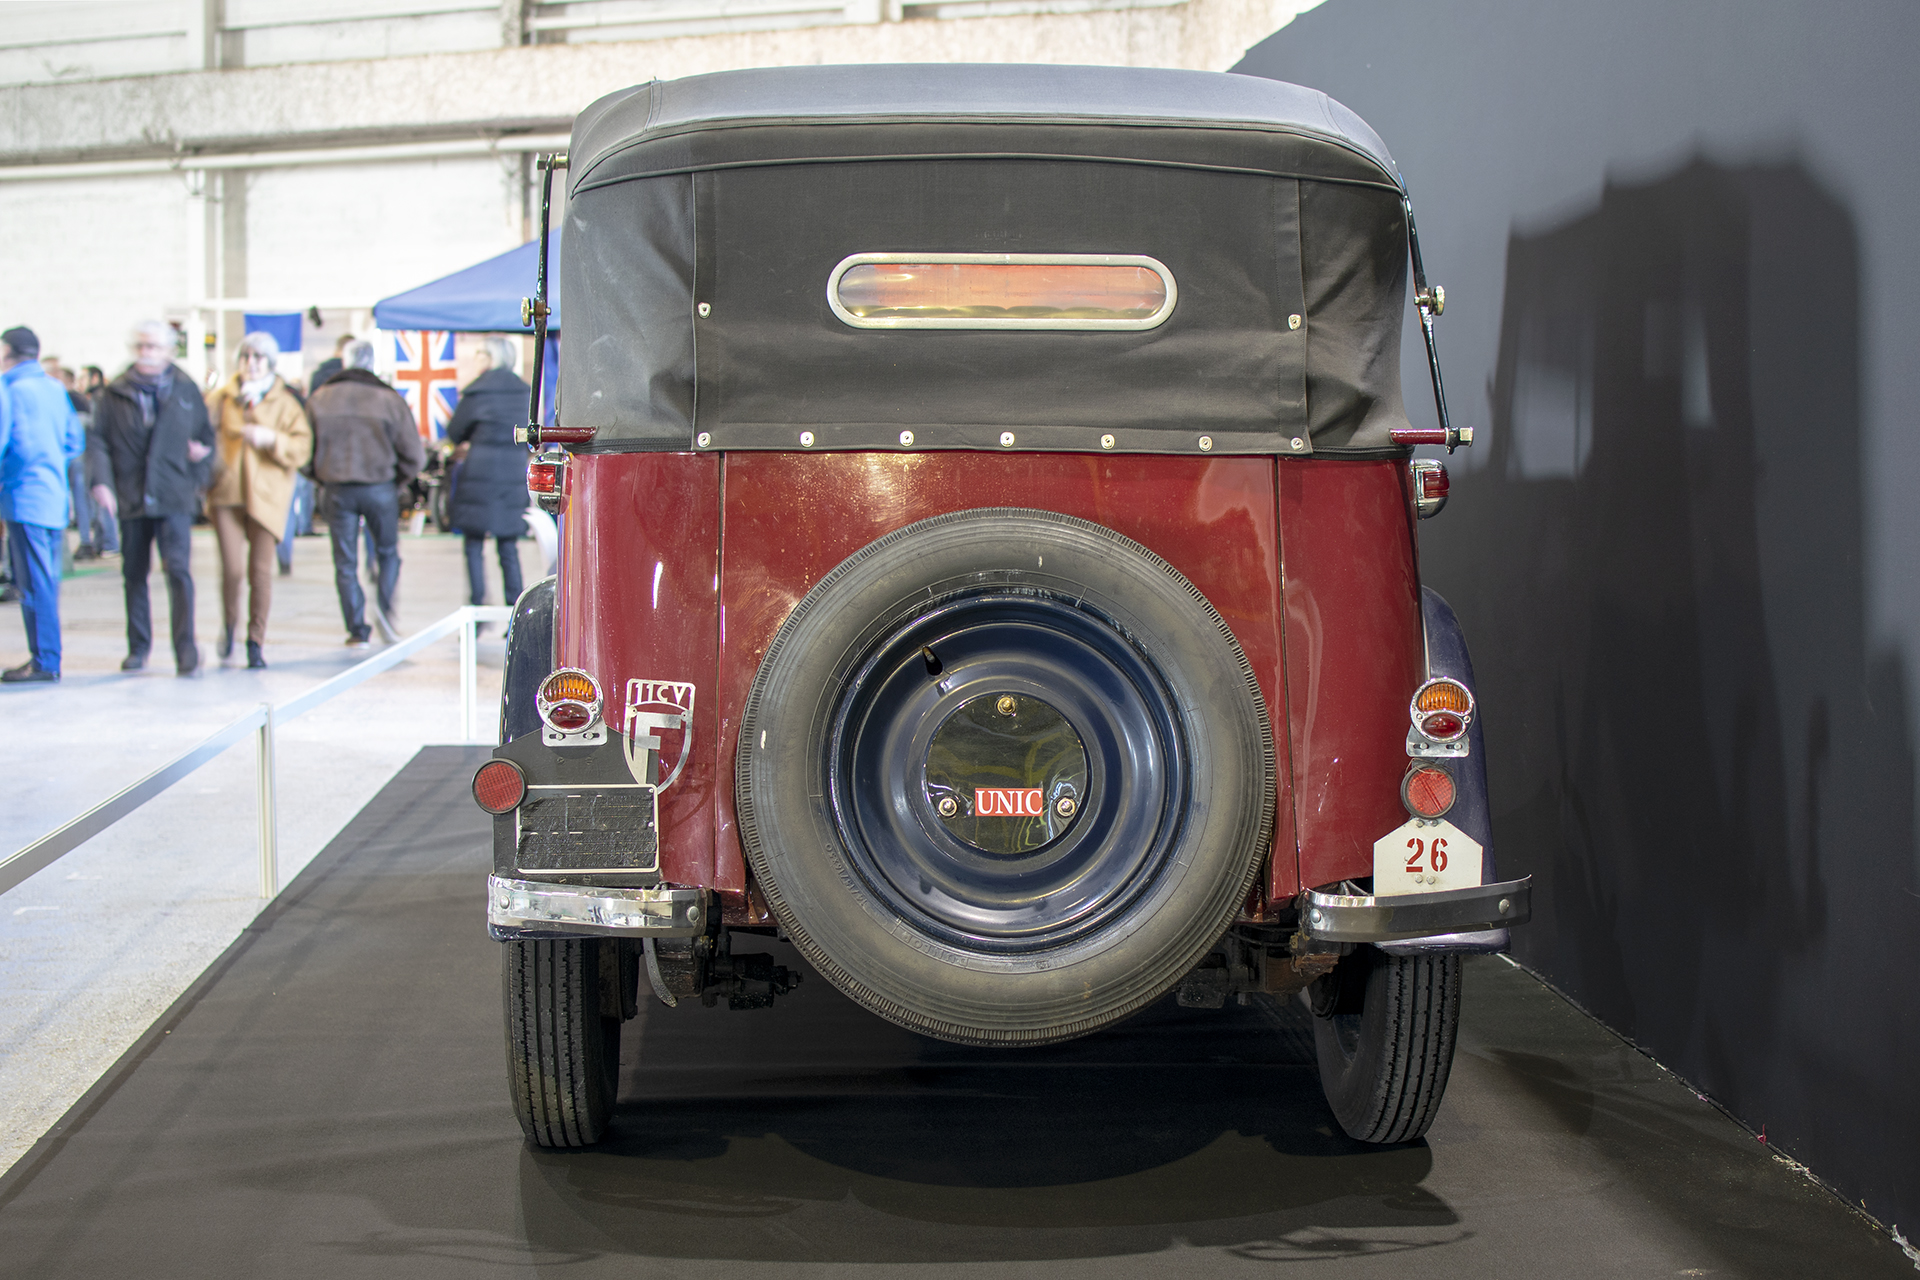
(330, 1100)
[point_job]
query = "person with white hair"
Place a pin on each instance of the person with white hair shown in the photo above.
(490, 481)
(152, 447)
(365, 445)
(264, 441)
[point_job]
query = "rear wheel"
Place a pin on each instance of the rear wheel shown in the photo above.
(1005, 776)
(1384, 1029)
(563, 1041)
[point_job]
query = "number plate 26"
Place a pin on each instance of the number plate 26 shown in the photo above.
(1425, 857)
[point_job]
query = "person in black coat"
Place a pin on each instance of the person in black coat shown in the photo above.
(490, 483)
(151, 454)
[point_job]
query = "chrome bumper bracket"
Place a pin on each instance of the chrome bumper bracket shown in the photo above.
(1338, 917)
(518, 909)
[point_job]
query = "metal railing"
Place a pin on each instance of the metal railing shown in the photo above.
(260, 723)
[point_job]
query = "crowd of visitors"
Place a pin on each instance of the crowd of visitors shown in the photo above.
(131, 463)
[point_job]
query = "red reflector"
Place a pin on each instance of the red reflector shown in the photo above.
(1428, 791)
(1442, 726)
(569, 717)
(499, 786)
(543, 477)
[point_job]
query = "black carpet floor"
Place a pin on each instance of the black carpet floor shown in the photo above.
(330, 1100)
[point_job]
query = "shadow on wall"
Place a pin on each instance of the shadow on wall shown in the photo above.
(1691, 747)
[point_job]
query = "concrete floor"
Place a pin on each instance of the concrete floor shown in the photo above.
(331, 1100)
(95, 947)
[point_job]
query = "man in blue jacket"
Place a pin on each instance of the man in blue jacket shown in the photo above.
(39, 431)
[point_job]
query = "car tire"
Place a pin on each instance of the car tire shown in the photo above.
(1384, 1029)
(834, 780)
(563, 1047)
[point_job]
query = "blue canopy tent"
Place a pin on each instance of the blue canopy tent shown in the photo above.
(485, 298)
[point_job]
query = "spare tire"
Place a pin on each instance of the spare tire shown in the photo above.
(1004, 776)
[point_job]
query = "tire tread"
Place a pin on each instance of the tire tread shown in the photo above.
(556, 1041)
(1391, 1090)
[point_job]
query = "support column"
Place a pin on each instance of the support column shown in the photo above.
(203, 23)
(231, 236)
(513, 23)
(201, 248)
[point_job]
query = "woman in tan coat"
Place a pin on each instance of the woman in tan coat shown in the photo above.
(264, 439)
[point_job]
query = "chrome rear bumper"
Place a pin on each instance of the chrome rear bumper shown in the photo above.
(537, 909)
(1336, 917)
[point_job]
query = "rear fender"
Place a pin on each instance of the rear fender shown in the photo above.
(1447, 656)
(529, 659)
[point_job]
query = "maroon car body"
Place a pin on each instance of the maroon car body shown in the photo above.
(1335, 638)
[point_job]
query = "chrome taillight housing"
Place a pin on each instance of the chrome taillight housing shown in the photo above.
(547, 481)
(1429, 486)
(1442, 710)
(569, 701)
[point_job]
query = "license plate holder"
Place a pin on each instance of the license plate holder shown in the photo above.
(587, 829)
(1426, 857)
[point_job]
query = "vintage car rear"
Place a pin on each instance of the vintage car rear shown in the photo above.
(990, 564)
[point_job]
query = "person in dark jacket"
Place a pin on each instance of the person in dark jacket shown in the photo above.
(365, 445)
(152, 448)
(330, 368)
(490, 485)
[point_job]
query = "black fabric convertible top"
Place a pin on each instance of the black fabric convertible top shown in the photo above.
(706, 215)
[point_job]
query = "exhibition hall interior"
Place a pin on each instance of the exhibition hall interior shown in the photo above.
(977, 638)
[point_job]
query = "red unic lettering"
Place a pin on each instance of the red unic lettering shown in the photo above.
(1008, 802)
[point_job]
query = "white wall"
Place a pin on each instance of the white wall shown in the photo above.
(367, 231)
(90, 258)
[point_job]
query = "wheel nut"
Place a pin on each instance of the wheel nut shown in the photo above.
(947, 806)
(1065, 806)
(1005, 704)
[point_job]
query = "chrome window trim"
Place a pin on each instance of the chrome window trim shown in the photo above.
(1153, 321)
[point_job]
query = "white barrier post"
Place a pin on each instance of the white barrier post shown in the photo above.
(469, 672)
(269, 808)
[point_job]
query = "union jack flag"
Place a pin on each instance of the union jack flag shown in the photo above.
(424, 373)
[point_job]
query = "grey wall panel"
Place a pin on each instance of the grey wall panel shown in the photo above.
(1680, 255)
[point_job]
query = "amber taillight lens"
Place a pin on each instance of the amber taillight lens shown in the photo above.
(569, 700)
(1442, 709)
(1427, 791)
(1443, 695)
(499, 786)
(569, 684)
